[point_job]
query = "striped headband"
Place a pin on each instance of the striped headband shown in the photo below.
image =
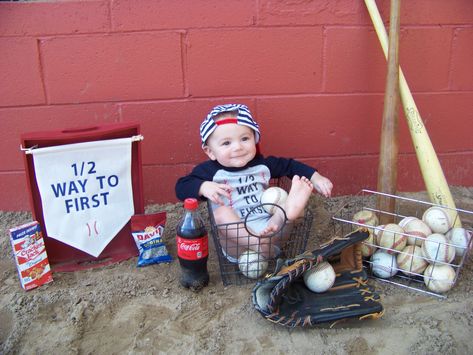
(243, 118)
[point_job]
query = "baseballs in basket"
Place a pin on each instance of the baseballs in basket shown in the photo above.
(460, 237)
(437, 247)
(368, 246)
(275, 196)
(439, 278)
(418, 230)
(383, 265)
(402, 223)
(438, 219)
(320, 278)
(366, 217)
(411, 260)
(391, 237)
(376, 232)
(252, 264)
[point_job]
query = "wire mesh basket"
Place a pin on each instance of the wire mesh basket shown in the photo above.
(402, 250)
(253, 264)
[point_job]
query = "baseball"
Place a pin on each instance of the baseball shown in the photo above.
(417, 231)
(437, 247)
(367, 246)
(383, 265)
(275, 196)
(252, 264)
(438, 219)
(320, 278)
(460, 237)
(376, 232)
(402, 223)
(366, 217)
(368, 250)
(439, 278)
(391, 237)
(411, 260)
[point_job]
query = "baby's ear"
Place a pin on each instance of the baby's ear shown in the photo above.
(209, 153)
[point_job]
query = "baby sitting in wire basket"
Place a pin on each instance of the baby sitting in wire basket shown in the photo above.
(236, 175)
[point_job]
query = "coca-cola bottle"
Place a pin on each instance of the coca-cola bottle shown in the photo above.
(192, 247)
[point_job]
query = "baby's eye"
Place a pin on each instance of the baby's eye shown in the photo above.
(246, 138)
(226, 143)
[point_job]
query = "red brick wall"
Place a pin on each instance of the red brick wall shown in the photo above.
(312, 72)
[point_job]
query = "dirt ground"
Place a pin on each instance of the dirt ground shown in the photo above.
(124, 309)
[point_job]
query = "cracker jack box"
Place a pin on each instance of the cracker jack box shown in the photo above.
(30, 255)
(85, 184)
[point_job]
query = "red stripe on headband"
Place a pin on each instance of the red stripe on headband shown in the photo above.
(226, 121)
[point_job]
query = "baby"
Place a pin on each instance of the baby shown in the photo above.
(236, 175)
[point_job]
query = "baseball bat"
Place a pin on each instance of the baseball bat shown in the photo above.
(389, 146)
(432, 173)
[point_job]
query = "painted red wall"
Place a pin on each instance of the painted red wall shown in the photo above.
(312, 72)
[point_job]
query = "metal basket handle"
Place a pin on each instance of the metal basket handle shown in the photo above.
(245, 222)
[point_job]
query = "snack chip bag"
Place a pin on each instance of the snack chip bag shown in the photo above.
(147, 231)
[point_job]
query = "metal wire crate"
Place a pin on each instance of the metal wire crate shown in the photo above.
(365, 200)
(255, 266)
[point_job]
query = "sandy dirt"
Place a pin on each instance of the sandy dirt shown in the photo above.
(124, 309)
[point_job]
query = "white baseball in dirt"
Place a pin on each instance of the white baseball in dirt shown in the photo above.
(439, 278)
(402, 223)
(438, 219)
(418, 230)
(392, 238)
(275, 196)
(437, 247)
(460, 237)
(411, 260)
(368, 247)
(366, 217)
(252, 264)
(320, 278)
(383, 265)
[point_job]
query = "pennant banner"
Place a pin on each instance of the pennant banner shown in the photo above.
(86, 191)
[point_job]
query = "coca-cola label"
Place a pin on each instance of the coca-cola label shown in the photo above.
(192, 249)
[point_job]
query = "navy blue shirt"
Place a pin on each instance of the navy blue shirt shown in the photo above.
(247, 181)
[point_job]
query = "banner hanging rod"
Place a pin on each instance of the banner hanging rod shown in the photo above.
(136, 138)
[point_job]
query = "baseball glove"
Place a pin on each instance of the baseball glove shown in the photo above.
(284, 298)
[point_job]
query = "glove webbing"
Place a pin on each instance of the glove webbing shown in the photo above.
(305, 262)
(276, 293)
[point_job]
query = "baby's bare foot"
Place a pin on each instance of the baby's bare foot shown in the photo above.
(269, 230)
(298, 197)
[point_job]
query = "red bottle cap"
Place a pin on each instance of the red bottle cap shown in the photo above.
(191, 204)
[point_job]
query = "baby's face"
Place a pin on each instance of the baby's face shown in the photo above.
(232, 145)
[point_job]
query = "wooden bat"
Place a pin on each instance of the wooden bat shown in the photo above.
(432, 172)
(389, 146)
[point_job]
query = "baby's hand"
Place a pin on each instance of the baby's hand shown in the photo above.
(322, 184)
(213, 191)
